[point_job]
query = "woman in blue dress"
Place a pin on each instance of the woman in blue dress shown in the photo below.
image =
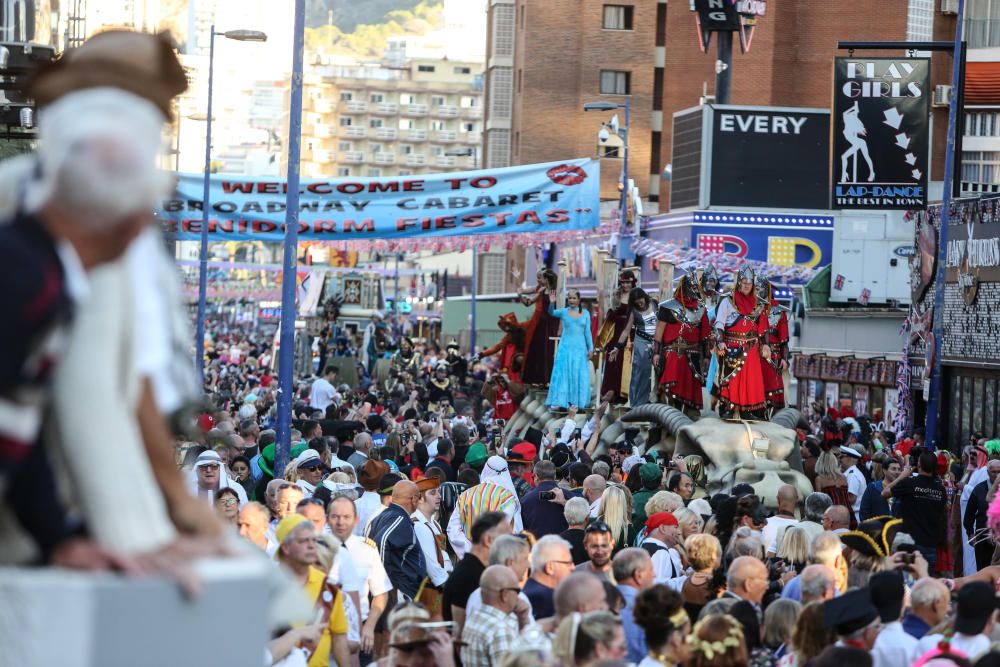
(570, 382)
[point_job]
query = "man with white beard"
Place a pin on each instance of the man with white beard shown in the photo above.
(70, 210)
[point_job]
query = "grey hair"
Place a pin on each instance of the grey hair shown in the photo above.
(814, 582)
(601, 468)
(926, 592)
(816, 504)
(576, 511)
(825, 548)
(507, 548)
(542, 552)
(627, 561)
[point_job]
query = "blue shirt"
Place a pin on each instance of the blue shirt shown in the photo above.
(915, 626)
(541, 598)
(635, 637)
(793, 590)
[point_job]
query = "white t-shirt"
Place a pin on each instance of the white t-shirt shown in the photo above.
(321, 395)
(856, 484)
(368, 564)
(775, 526)
(973, 646)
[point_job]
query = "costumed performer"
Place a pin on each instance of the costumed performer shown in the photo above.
(569, 385)
(642, 330)
(741, 323)
(541, 330)
(683, 334)
(777, 339)
(615, 322)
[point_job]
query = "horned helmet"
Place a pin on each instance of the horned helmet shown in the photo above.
(746, 272)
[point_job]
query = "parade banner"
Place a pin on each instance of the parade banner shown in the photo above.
(881, 129)
(545, 198)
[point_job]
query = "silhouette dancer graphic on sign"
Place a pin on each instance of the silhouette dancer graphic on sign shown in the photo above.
(855, 133)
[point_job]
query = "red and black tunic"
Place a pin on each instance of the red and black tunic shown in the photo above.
(683, 343)
(742, 323)
(777, 338)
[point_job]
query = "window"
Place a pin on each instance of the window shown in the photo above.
(375, 148)
(375, 122)
(614, 82)
(981, 166)
(405, 172)
(437, 151)
(406, 123)
(374, 173)
(437, 125)
(343, 171)
(468, 127)
(377, 97)
(437, 100)
(406, 149)
(617, 17)
(344, 146)
(407, 98)
(463, 70)
(425, 68)
(346, 97)
(468, 102)
(346, 121)
(982, 124)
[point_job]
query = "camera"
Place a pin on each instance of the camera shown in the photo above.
(908, 558)
(500, 423)
(547, 495)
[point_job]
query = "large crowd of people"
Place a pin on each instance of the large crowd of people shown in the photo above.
(420, 526)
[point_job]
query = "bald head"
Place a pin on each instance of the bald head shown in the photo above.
(836, 518)
(788, 498)
(747, 578)
(593, 487)
(579, 592)
(817, 583)
(406, 495)
(496, 585)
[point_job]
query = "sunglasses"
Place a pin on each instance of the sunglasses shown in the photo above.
(227, 502)
(312, 468)
(598, 527)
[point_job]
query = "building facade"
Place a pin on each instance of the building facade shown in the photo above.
(369, 120)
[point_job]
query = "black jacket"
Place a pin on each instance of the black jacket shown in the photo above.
(392, 532)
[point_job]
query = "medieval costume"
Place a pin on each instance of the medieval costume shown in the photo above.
(615, 322)
(458, 366)
(439, 385)
(570, 382)
(542, 330)
(406, 363)
(777, 338)
(740, 324)
(642, 331)
(683, 334)
(709, 283)
(511, 347)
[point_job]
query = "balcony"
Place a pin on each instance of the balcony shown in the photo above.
(472, 138)
(414, 135)
(354, 106)
(355, 132)
(321, 156)
(416, 160)
(445, 111)
(444, 161)
(324, 131)
(322, 106)
(388, 133)
(385, 108)
(414, 109)
(472, 112)
(384, 158)
(444, 136)
(352, 157)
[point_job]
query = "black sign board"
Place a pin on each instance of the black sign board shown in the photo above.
(881, 117)
(770, 157)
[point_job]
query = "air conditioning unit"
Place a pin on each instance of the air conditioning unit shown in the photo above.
(942, 96)
(949, 6)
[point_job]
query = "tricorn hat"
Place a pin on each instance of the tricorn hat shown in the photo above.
(873, 537)
(139, 63)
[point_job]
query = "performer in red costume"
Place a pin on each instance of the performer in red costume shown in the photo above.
(683, 333)
(541, 330)
(741, 323)
(777, 339)
(511, 347)
(616, 320)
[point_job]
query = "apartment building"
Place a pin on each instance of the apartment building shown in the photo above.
(370, 120)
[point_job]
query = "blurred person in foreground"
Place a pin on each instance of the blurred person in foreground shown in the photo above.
(78, 203)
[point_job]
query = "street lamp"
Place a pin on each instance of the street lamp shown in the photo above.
(239, 36)
(612, 106)
(474, 154)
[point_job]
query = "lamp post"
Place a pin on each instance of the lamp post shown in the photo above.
(239, 36)
(474, 154)
(623, 133)
(290, 256)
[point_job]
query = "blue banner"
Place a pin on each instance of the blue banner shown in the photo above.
(550, 197)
